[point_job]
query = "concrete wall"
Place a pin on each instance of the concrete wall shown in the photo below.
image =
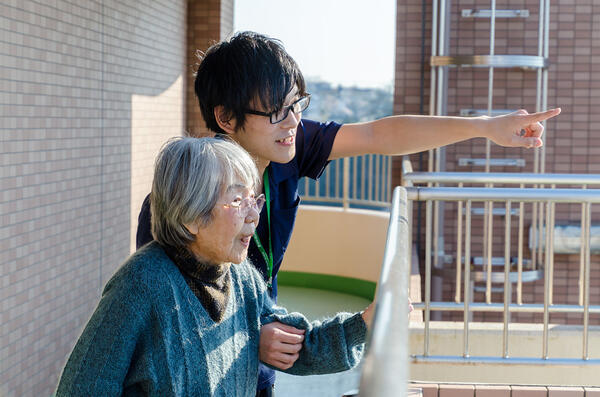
(89, 91)
(329, 240)
(525, 340)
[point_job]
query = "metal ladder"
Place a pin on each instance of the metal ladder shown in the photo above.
(440, 61)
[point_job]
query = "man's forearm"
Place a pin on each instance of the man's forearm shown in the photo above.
(399, 135)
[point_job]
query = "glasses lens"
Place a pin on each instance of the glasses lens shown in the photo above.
(279, 116)
(260, 202)
(301, 104)
(298, 107)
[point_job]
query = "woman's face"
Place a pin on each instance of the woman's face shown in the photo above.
(227, 237)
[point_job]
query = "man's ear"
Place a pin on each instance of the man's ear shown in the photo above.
(192, 228)
(224, 120)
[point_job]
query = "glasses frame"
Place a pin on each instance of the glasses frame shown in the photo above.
(286, 110)
(252, 202)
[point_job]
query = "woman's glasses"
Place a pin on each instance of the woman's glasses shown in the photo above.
(243, 206)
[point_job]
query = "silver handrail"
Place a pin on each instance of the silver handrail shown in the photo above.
(526, 195)
(502, 178)
(385, 362)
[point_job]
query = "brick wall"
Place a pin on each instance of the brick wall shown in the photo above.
(571, 144)
(89, 91)
(208, 22)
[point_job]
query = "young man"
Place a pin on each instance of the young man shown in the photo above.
(251, 90)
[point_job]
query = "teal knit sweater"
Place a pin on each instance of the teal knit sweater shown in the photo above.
(150, 335)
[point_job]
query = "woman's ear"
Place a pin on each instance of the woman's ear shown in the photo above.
(224, 120)
(192, 228)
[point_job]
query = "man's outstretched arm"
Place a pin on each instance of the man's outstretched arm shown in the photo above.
(400, 135)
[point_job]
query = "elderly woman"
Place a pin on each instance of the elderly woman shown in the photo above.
(182, 316)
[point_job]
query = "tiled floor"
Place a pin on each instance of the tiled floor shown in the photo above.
(467, 390)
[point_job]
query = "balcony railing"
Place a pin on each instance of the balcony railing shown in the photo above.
(362, 181)
(508, 196)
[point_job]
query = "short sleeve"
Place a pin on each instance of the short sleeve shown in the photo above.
(315, 141)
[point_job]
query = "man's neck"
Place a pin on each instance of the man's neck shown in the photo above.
(261, 165)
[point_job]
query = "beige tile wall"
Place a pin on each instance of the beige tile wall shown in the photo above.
(89, 90)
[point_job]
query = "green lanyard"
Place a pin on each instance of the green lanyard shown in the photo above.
(268, 258)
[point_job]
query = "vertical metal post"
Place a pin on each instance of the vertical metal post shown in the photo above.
(550, 261)
(489, 244)
(354, 162)
(346, 183)
(545, 78)
(389, 180)
(336, 179)
(520, 253)
(488, 145)
(586, 301)
(363, 182)
(507, 290)
(546, 290)
(377, 176)
(582, 252)
(467, 286)
(428, 216)
(459, 249)
(433, 84)
(371, 176)
(538, 96)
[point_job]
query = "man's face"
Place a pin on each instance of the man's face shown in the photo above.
(270, 142)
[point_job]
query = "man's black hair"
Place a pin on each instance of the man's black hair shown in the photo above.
(248, 68)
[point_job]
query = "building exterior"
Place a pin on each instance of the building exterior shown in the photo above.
(91, 90)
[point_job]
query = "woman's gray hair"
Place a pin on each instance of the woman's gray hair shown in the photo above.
(189, 177)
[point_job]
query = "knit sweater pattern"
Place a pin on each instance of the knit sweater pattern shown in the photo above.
(151, 336)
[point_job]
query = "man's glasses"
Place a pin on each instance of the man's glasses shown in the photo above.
(243, 206)
(277, 117)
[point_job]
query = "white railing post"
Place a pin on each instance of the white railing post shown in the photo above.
(385, 368)
(346, 184)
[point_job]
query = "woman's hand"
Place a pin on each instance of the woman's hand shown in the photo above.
(279, 345)
(367, 314)
(517, 129)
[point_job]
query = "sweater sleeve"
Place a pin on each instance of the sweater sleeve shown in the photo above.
(101, 357)
(333, 345)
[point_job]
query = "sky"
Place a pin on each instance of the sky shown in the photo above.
(347, 42)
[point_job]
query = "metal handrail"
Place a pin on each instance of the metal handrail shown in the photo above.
(526, 195)
(502, 178)
(385, 363)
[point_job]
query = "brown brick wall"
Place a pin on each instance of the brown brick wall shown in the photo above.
(571, 146)
(208, 22)
(89, 92)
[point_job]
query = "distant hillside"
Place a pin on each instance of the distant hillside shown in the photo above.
(347, 104)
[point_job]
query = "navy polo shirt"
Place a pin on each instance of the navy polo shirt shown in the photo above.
(313, 146)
